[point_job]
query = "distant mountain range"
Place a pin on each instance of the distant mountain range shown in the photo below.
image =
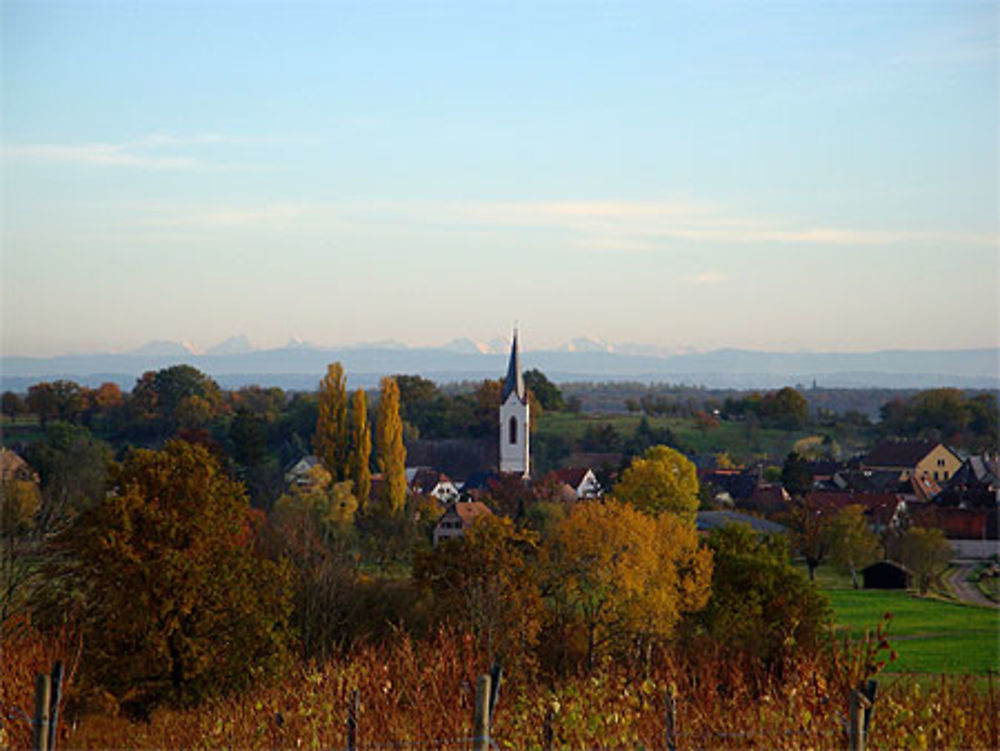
(300, 365)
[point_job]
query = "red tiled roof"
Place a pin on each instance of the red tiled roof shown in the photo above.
(924, 488)
(879, 507)
(469, 511)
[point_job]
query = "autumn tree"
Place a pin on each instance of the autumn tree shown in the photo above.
(851, 542)
(422, 405)
(322, 566)
(12, 405)
(254, 465)
(645, 437)
(56, 400)
(330, 441)
(331, 504)
(508, 495)
(796, 477)
(761, 604)
(20, 502)
(361, 448)
(389, 449)
(177, 603)
(106, 406)
(809, 523)
(785, 408)
(548, 394)
(73, 466)
(186, 397)
(926, 552)
(661, 480)
(487, 408)
(620, 578)
(265, 403)
(484, 582)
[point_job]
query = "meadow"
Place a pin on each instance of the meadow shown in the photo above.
(742, 440)
(928, 635)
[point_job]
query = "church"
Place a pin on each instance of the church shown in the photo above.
(515, 417)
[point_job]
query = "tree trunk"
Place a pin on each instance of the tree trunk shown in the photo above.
(176, 664)
(590, 649)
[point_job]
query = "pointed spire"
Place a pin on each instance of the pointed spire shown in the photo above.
(514, 381)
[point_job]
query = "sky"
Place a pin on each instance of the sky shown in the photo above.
(765, 175)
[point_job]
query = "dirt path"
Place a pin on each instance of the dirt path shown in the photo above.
(964, 591)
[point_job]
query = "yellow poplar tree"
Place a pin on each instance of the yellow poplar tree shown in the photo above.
(624, 577)
(361, 442)
(389, 448)
(661, 480)
(330, 439)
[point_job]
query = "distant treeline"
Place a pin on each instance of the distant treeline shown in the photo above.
(680, 399)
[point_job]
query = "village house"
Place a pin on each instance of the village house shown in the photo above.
(922, 459)
(458, 519)
(15, 469)
(883, 511)
(299, 473)
(430, 482)
(581, 480)
(976, 484)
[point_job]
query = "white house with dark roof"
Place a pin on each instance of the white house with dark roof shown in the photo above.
(582, 480)
(429, 481)
(299, 472)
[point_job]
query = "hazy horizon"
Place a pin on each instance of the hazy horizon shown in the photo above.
(778, 177)
(494, 345)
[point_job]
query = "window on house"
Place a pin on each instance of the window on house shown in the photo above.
(512, 430)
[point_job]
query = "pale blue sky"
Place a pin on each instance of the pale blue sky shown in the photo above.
(789, 175)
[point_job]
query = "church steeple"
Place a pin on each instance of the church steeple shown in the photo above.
(515, 418)
(514, 382)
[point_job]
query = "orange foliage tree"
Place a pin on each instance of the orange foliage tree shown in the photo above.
(175, 600)
(622, 578)
(484, 583)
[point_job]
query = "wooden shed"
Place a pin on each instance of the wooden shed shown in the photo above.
(886, 575)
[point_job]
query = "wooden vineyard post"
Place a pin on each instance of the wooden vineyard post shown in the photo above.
(670, 721)
(353, 709)
(55, 696)
(859, 703)
(548, 736)
(481, 718)
(43, 690)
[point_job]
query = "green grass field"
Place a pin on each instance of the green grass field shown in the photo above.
(742, 441)
(19, 430)
(739, 439)
(930, 636)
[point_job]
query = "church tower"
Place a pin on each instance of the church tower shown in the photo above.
(514, 425)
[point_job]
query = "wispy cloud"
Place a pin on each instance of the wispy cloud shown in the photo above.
(150, 152)
(271, 216)
(597, 226)
(647, 225)
(709, 277)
